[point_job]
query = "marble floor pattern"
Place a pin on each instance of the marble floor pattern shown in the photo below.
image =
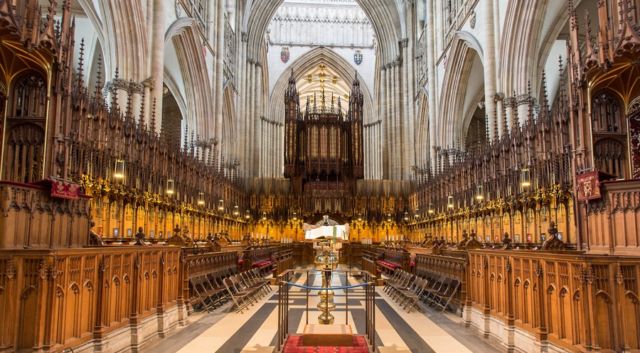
(254, 330)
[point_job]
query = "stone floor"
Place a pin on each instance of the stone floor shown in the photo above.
(254, 330)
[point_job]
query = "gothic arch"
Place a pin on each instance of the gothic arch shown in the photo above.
(519, 45)
(307, 61)
(193, 69)
(460, 63)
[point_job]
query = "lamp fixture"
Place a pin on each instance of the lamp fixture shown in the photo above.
(170, 186)
(479, 194)
(525, 178)
(201, 199)
(118, 170)
(450, 201)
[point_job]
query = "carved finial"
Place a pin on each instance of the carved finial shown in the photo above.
(128, 112)
(545, 97)
(505, 127)
(193, 142)
(114, 93)
(332, 105)
(530, 99)
(99, 83)
(141, 115)
(153, 116)
(81, 64)
(315, 103)
(186, 138)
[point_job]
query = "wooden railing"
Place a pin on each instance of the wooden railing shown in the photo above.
(452, 267)
(283, 261)
(204, 264)
(370, 266)
(52, 300)
(567, 300)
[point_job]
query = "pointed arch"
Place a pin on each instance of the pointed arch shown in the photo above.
(194, 73)
(306, 62)
(465, 48)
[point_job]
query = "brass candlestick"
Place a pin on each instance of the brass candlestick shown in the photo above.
(326, 296)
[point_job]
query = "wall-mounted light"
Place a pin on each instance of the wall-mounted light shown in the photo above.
(171, 186)
(431, 210)
(247, 215)
(201, 198)
(221, 205)
(479, 194)
(450, 201)
(525, 178)
(236, 211)
(118, 170)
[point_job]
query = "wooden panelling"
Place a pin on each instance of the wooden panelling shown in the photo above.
(64, 298)
(576, 301)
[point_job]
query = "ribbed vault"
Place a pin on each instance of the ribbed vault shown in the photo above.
(383, 14)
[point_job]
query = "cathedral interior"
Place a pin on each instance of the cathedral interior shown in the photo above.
(284, 176)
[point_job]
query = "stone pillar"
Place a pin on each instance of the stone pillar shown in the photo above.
(219, 69)
(490, 70)
(258, 110)
(431, 78)
(385, 121)
(157, 60)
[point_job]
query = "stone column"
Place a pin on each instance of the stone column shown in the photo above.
(257, 83)
(242, 102)
(397, 120)
(248, 129)
(490, 70)
(157, 60)
(383, 117)
(391, 95)
(431, 79)
(219, 69)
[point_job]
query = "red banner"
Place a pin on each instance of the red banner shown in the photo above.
(65, 190)
(588, 186)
